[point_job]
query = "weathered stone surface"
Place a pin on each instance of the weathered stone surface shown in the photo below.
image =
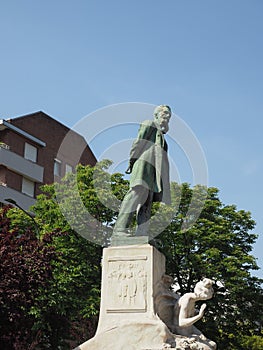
(144, 335)
(130, 277)
(193, 343)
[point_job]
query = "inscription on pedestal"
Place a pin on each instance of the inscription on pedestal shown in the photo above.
(127, 284)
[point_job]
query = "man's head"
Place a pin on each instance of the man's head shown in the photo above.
(162, 115)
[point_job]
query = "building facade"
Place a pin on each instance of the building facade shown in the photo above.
(36, 149)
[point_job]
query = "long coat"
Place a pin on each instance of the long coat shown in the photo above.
(150, 162)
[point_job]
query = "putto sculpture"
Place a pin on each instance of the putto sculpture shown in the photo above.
(180, 314)
(186, 314)
(149, 169)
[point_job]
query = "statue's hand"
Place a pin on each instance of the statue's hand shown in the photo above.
(129, 170)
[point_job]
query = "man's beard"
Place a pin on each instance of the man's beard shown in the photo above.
(164, 128)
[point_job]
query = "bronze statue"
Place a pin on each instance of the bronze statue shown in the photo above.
(149, 169)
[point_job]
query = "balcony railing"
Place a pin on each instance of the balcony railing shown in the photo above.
(21, 165)
(24, 201)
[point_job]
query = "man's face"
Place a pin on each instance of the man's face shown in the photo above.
(163, 118)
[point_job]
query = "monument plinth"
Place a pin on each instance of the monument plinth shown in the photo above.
(130, 281)
(138, 309)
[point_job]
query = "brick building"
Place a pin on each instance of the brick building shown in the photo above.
(31, 155)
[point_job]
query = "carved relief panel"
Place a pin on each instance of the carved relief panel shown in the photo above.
(127, 284)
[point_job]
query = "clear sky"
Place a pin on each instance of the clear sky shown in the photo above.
(204, 58)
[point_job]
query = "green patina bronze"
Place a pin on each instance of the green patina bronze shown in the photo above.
(149, 182)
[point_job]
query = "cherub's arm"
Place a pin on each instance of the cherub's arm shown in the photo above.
(185, 321)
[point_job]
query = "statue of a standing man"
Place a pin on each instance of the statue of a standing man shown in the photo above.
(149, 170)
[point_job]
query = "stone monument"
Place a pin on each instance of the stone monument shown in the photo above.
(138, 310)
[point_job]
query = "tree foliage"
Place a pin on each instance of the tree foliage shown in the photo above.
(218, 245)
(68, 308)
(26, 272)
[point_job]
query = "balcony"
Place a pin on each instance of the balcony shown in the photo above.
(23, 200)
(21, 165)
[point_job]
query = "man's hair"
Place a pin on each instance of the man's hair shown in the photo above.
(159, 108)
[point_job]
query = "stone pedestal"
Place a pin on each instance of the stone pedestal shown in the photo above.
(128, 320)
(117, 241)
(137, 306)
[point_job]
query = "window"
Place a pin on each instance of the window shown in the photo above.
(69, 169)
(30, 152)
(28, 187)
(57, 167)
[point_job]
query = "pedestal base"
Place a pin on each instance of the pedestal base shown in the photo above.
(131, 290)
(147, 335)
(117, 241)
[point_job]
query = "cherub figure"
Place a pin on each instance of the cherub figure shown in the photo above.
(185, 313)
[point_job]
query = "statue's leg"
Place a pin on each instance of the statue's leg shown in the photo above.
(144, 215)
(132, 199)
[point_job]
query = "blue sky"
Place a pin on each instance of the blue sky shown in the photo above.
(201, 57)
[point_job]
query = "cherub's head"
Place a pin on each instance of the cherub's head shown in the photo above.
(203, 289)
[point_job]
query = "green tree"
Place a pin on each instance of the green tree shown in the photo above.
(74, 293)
(254, 342)
(217, 246)
(26, 274)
